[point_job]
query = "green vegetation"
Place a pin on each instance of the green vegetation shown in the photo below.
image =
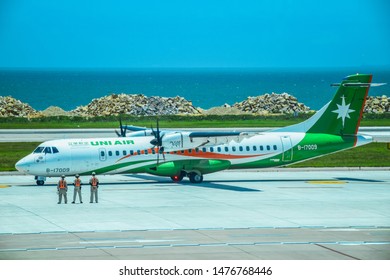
(372, 155)
(175, 121)
(12, 152)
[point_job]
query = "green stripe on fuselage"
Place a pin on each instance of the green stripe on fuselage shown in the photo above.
(312, 145)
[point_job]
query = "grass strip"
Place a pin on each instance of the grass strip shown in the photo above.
(174, 121)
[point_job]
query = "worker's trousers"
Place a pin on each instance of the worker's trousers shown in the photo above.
(62, 193)
(77, 190)
(94, 193)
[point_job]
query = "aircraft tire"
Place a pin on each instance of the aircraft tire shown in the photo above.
(40, 182)
(195, 178)
(176, 179)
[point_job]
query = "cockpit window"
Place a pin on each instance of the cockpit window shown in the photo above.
(47, 150)
(55, 150)
(38, 150)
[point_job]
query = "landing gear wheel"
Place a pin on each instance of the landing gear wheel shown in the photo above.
(195, 178)
(40, 182)
(177, 178)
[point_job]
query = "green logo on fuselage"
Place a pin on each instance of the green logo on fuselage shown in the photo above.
(112, 143)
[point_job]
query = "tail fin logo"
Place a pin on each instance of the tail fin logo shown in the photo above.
(343, 110)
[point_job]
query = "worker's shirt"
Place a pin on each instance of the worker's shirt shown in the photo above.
(77, 183)
(94, 181)
(62, 184)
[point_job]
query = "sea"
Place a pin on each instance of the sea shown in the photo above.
(206, 88)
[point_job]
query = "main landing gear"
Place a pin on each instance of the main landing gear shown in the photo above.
(194, 177)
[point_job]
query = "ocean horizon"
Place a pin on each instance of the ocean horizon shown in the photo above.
(205, 87)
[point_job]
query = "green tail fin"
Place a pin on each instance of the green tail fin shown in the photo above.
(342, 115)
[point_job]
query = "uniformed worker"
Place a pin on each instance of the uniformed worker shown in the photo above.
(94, 182)
(62, 188)
(77, 188)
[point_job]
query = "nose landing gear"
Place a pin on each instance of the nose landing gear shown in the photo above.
(40, 180)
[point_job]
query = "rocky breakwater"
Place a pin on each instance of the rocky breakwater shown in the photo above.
(11, 107)
(377, 104)
(272, 104)
(136, 104)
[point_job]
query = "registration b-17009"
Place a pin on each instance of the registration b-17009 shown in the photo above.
(179, 154)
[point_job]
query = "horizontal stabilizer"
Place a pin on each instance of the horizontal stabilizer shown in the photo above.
(358, 84)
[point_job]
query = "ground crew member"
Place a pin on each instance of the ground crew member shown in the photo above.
(77, 188)
(94, 182)
(62, 188)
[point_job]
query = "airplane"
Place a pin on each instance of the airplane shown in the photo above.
(179, 154)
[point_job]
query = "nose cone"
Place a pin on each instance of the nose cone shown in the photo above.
(23, 166)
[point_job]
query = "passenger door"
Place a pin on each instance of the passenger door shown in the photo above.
(287, 148)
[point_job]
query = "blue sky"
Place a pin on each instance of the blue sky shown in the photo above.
(132, 34)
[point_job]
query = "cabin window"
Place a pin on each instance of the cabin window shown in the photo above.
(110, 153)
(190, 151)
(261, 148)
(248, 148)
(219, 149)
(131, 152)
(255, 148)
(146, 152)
(124, 153)
(226, 149)
(102, 154)
(212, 149)
(241, 148)
(268, 148)
(234, 148)
(275, 147)
(117, 153)
(196, 150)
(204, 150)
(138, 152)
(182, 151)
(153, 151)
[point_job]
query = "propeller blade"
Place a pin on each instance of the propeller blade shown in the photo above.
(157, 141)
(122, 131)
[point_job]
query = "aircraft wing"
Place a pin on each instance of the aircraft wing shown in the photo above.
(218, 137)
(175, 141)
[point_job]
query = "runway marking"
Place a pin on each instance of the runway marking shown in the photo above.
(215, 244)
(129, 241)
(4, 186)
(330, 182)
(142, 189)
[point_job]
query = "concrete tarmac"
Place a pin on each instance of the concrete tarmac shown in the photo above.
(270, 214)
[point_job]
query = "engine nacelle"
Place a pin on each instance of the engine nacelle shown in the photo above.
(176, 141)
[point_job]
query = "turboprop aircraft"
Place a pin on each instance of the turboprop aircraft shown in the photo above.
(179, 154)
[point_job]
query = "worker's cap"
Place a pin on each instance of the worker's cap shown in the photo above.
(77, 175)
(93, 173)
(63, 176)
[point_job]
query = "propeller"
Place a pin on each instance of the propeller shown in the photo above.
(157, 141)
(122, 129)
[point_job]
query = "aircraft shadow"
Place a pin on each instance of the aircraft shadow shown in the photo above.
(204, 184)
